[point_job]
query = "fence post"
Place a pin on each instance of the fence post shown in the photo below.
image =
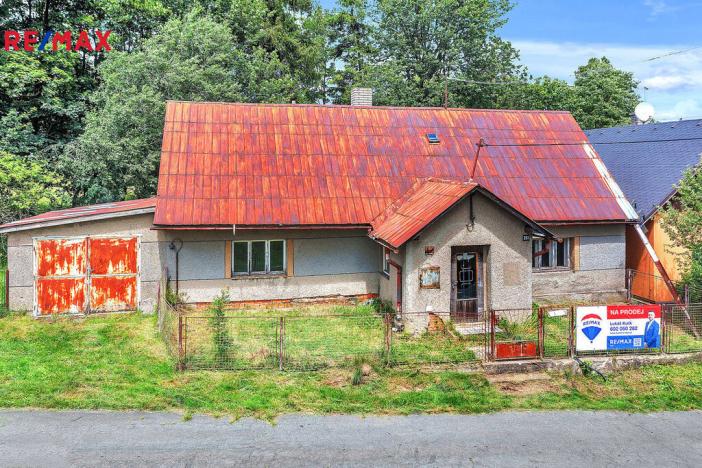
(388, 337)
(7, 289)
(629, 274)
(281, 340)
(541, 332)
(571, 331)
(181, 345)
(492, 335)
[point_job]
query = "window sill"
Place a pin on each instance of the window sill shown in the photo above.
(552, 270)
(257, 277)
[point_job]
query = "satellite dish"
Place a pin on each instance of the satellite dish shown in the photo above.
(644, 111)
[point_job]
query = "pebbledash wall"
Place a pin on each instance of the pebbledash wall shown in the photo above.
(325, 263)
(507, 258)
(347, 263)
(598, 273)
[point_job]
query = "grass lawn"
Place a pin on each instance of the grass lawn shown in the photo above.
(119, 362)
(315, 337)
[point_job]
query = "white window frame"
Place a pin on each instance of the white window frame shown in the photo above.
(552, 255)
(267, 271)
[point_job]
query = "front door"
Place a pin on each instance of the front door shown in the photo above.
(466, 284)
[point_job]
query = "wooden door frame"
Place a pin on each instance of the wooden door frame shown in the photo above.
(481, 270)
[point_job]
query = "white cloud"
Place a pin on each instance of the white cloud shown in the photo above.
(674, 82)
(659, 7)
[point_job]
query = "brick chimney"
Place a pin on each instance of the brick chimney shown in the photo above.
(361, 97)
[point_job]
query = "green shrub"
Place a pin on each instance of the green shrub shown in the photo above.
(220, 335)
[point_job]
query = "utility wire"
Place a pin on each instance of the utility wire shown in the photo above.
(591, 143)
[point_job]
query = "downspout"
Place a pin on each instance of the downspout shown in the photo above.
(172, 246)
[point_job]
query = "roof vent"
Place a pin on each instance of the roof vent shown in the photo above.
(433, 138)
(361, 97)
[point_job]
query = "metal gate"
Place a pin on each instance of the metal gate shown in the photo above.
(86, 274)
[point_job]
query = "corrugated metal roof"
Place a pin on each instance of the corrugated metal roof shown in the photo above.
(425, 202)
(255, 164)
(81, 213)
(418, 207)
(648, 169)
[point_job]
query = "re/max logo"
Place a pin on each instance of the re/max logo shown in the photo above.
(57, 41)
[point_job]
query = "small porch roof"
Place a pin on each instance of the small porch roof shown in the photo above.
(426, 201)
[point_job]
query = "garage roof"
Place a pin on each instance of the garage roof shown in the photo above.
(278, 165)
(82, 213)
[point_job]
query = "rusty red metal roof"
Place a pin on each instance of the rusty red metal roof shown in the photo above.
(427, 200)
(418, 207)
(265, 164)
(83, 213)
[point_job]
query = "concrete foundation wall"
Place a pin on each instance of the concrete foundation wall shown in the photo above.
(599, 276)
(508, 260)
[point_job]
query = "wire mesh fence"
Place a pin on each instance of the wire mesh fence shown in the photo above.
(297, 341)
(514, 334)
(557, 324)
(682, 328)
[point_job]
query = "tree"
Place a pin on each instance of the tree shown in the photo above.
(421, 44)
(682, 221)
(604, 96)
(351, 44)
(192, 59)
(27, 188)
(543, 93)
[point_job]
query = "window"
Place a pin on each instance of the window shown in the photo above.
(386, 263)
(259, 257)
(557, 256)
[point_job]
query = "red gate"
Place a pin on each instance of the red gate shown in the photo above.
(86, 274)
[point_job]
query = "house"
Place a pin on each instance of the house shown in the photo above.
(647, 162)
(451, 210)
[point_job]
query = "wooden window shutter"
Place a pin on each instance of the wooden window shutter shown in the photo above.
(227, 259)
(290, 251)
(575, 254)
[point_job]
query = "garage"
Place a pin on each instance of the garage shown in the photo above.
(81, 275)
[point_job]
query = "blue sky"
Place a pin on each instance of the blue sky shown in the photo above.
(555, 36)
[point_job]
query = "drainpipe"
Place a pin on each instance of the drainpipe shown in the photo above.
(172, 246)
(399, 283)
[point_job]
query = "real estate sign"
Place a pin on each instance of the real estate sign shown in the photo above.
(617, 327)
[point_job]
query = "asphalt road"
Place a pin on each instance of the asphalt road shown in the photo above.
(80, 438)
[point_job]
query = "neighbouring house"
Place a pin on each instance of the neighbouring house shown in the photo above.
(647, 162)
(455, 211)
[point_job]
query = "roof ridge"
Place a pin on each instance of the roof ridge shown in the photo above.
(348, 106)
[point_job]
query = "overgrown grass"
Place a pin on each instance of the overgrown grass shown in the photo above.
(314, 338)
(119, 362)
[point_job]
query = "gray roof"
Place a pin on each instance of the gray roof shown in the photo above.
(648, 169)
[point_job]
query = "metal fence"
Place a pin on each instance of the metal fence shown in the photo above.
(298, 340)
(303, 341)
(682, 328)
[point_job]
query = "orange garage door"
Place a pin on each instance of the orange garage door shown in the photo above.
(87, 274)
